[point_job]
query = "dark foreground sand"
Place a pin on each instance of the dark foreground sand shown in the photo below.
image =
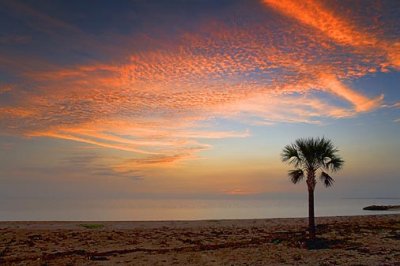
(357, 240)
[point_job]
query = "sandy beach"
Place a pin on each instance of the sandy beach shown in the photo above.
(353, 240)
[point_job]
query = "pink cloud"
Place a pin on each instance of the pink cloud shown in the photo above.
(337, 27)
(156, 103)
(360, 102)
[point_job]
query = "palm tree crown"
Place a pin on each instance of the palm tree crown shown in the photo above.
(309, 155)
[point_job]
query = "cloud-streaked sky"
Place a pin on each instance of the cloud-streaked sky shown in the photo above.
(194, 98)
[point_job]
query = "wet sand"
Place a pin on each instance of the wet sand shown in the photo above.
(351, 240)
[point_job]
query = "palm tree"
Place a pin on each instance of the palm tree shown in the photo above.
(308, 156)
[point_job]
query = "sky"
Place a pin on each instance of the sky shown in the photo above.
(195, 99)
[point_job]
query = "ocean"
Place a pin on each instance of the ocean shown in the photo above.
(181, 209)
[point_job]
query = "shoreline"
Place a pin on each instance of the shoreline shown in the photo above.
(391, 211)
(365, 239)
(183, 223)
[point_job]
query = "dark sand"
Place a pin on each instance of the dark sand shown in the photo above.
(356, 240)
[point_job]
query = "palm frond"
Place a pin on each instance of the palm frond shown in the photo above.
(326, 179)
(324, 149)
(334, 164)
(307, 149)
(291, 154)
(296, 175)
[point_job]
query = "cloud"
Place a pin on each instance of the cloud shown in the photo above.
(267, 110)
(96, 166)
(85, 165)
(5, 89)
(89, 141)
(336, 26)
(360, 102)
(158, 160)
(157, 102)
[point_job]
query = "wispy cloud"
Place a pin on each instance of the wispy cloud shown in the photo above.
(96, 165)
(83, 165)
(155, 102)
(337, 26)
(360, 102)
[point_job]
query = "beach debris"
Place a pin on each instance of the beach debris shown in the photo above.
(276, 241)
(98, 258)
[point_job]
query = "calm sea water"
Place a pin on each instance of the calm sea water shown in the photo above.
(182, 209)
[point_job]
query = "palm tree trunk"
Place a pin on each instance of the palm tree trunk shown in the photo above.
(311, 216)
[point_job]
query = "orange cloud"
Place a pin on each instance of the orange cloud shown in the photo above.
(157, 102)
(5, 88)
(15, 112)
(159, 160)
(314, 14)
(361, 102)
(335, 26)
(86, 140)
(272, 109)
